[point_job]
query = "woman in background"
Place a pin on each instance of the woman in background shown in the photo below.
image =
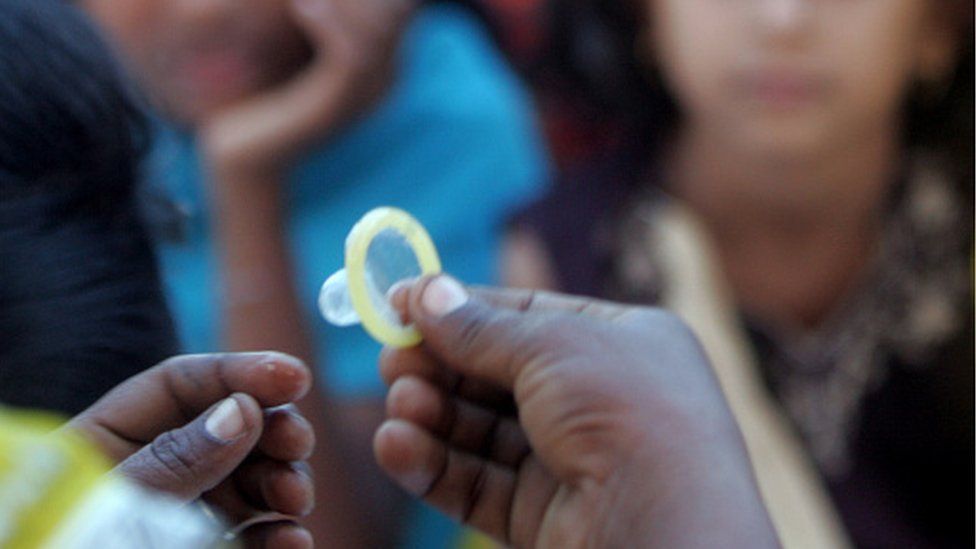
(797, 184)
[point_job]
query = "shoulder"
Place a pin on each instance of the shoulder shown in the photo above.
(452, 69)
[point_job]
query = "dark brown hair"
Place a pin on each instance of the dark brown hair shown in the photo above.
(81, 307)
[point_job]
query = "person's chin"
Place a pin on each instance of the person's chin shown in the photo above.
(797, 137)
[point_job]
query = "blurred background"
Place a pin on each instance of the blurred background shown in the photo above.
(793, 177)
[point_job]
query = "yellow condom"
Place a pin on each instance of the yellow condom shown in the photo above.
(383, 248)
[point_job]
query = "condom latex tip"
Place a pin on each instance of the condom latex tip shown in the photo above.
(335, 303)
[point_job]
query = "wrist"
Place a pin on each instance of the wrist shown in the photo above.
(241, 188)
(230, 155)
(230, 170)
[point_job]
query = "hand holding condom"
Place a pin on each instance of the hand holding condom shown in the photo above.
(544, 420)
(555, 421)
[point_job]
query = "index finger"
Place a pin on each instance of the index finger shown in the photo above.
(177, 390)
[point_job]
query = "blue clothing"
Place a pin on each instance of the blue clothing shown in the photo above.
(454, 143)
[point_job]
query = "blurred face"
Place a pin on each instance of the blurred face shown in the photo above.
(789, 77)
(197, 56)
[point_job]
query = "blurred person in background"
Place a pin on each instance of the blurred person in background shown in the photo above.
(81, 305)
(81, 311)
(575, 126)
(283, 121)
(796, 182)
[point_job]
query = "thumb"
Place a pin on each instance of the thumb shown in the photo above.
(473, 336)
(192, 459)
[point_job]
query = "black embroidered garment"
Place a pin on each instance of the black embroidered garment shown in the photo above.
(881, 392)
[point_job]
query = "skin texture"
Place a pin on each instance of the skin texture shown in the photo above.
(260, 82)
(553, 421)
(159, 426)
(789, 137)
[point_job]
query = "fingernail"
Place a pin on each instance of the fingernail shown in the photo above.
(226, 422)
(443, 296)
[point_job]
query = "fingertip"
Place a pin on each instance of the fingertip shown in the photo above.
(292, 537)
(413, 361)
(278, 535)
(415, 400)
(399, 296)
(403, 451)
(287, 435)
(291, 377)
(387, 442)
(387, 361)
(386, 446)
(197, 381)
(288, 489)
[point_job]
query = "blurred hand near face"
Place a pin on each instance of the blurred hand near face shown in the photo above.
(355, 44)
(216, 427)
(551, 421)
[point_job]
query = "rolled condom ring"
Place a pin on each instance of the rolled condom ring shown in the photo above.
(385, 247)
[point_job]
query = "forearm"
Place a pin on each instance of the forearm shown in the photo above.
(260, 304)
(262, 311)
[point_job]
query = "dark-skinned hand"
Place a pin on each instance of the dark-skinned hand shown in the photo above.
(552, 421)
(220, 428)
